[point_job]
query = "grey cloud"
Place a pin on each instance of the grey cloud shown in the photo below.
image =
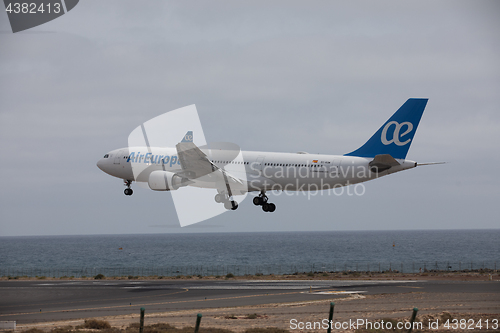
(286, 76)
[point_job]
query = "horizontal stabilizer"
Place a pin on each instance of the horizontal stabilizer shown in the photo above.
(431, 163)
(382, 162)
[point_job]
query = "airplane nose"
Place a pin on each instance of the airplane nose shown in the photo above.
(100, 164)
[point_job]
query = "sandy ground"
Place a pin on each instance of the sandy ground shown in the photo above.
(353, 307)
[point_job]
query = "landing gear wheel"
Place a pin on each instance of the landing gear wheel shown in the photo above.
(268, 207)
(231, 205)
(128, 190)
(262, 200)
(258, 201)
(219, 198)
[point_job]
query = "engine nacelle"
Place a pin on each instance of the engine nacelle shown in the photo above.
(165, 181)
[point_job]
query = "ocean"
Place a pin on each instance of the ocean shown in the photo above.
(249, 253)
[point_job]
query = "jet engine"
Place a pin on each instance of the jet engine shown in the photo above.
(166, 181)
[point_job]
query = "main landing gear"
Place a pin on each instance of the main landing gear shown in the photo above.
(261, 200)
(228, 204)
(128, 190)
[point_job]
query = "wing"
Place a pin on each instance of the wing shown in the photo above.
(196, 164)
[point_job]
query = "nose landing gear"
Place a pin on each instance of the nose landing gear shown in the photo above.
(261, 200)
(128, 190)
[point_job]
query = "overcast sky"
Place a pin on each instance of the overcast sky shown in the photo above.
(284, 76)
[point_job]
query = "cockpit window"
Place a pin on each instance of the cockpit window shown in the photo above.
(106, 156)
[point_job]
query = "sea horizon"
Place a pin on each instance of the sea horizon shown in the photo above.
(289, 251)
(248, 232)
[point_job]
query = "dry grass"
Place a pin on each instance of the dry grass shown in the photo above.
(104, 327)
(34, 330)
(95, 324)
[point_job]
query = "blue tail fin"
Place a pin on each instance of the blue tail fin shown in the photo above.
(395, 136)
(188, 137)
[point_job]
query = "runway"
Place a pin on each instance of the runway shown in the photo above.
(49, 300)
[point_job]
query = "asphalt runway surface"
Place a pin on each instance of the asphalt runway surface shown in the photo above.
(47, 300)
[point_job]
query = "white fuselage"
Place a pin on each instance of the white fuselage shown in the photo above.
(263, 171)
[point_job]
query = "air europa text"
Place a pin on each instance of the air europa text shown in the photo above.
(153, 159)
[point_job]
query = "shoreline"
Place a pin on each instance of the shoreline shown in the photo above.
(476, 275)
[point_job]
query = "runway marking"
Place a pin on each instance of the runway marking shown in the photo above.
(336, 292)
(150, 296)
(86, 309)
(107, 299)
(148, 304)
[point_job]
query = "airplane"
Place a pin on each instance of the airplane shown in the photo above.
(171, 168)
